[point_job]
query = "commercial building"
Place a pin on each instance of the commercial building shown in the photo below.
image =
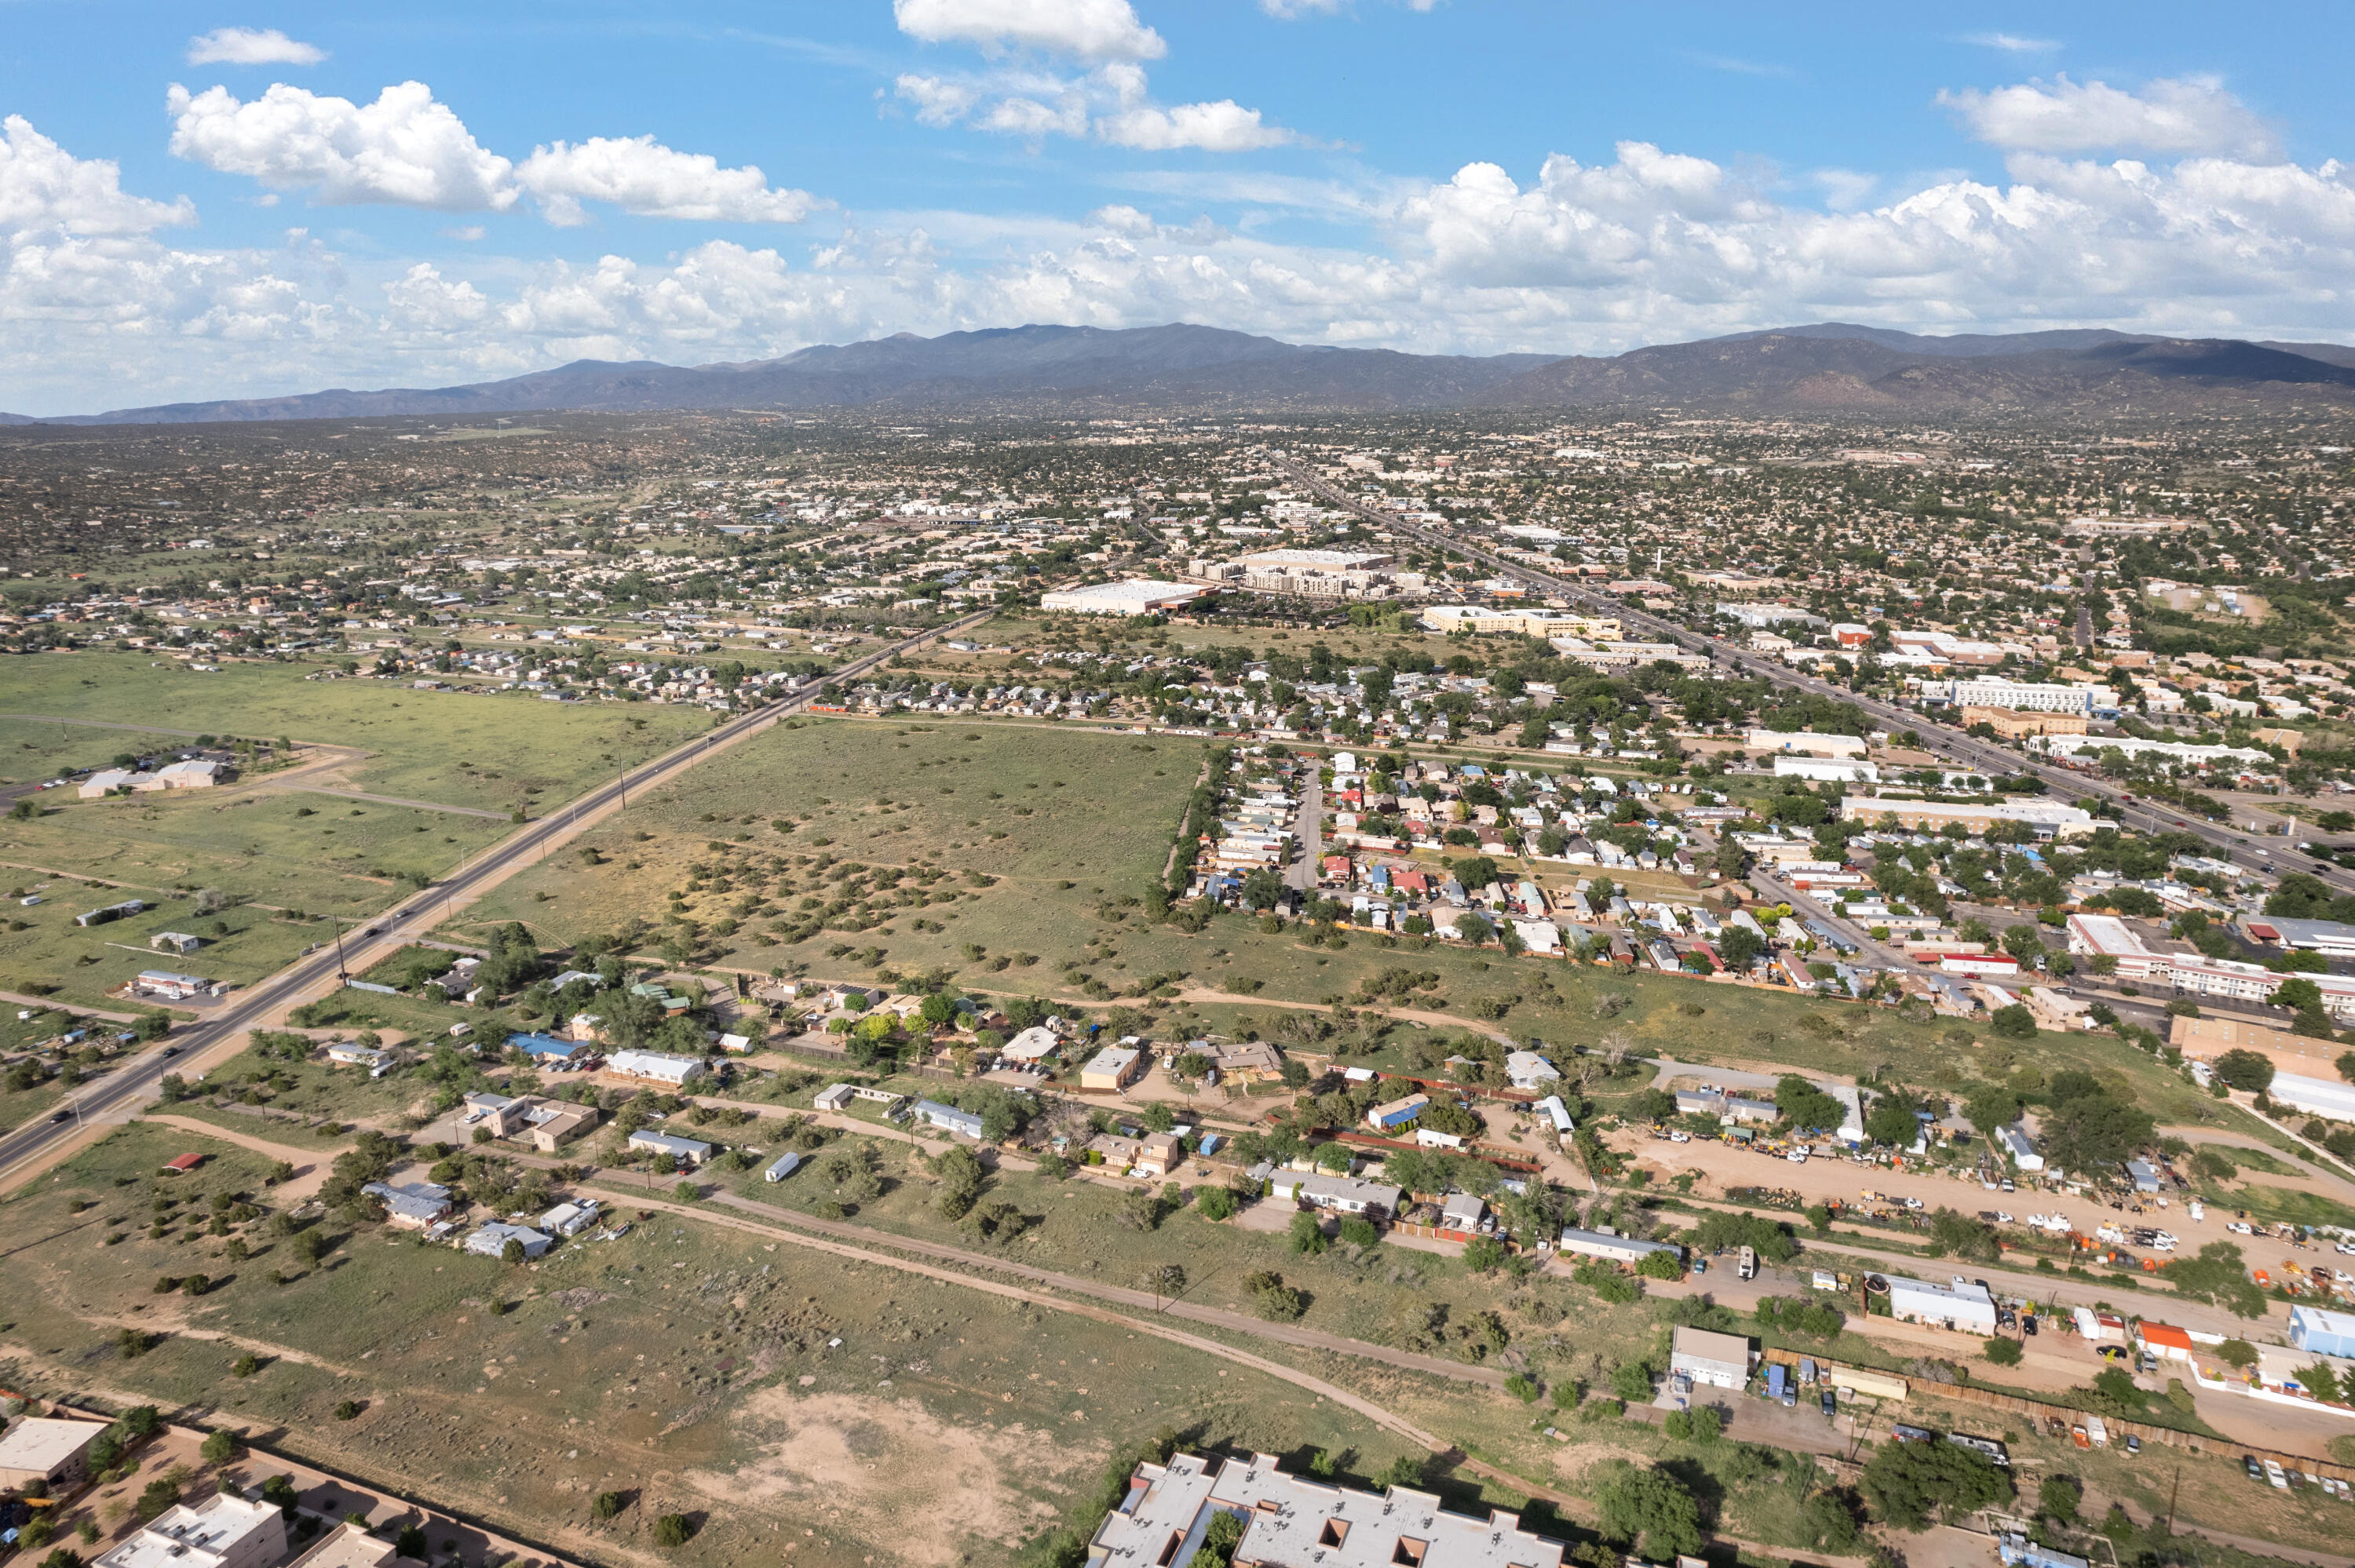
(1710, 1360)
(2009, 725)
(2213, 1036)
(2035, 695)
(2313, 1097)
(1162, 1520)
(1139, 595)
(1804, 743)
(2331, 938)
(222, 1532)
(2045, 818)
(2194, 974)
(1491, 618)
(1828, 770)
(2106, 936)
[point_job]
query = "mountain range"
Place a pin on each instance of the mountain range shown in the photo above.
(1825, 369)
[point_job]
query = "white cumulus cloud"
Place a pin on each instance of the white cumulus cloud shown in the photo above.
(1090, 29)
(406, 149)
(251, 45)
(2171, 115)
(1222, 127)
(45, 187)
(641, 176)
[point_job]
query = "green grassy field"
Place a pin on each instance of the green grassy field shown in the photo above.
(285, 862)
(449, 748)
(1054, 821)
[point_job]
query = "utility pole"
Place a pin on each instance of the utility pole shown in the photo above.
(341, 973)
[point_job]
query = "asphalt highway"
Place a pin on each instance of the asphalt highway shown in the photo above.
(2228, 843)
(134, 1082)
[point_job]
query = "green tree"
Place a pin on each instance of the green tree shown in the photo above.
(673, 1530)
(608, 1506)
(2013, 1022)
(2003, 1352)
(1805, 1105)
(1905, 1481)
(1219, 1539)
(1307, 1232)
(219, 1448)
(1650, 1508)
(2060, 1498)
(2246, 1070)
(2217, 1274)
(961, 1177)
(1890, 1120)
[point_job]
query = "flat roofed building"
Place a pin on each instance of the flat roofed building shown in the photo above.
(42, 1448)
(349, 1545)
(2046, 819)
(2314, 1096)
(1290, 1519)
(655, 1067)
(2331, 938)
(2035, 695)
(2009, 725)
(2213, 1036)
(222, 1532)
(1804, 743)
(2106, 936)
(1325, 560)
(1141, 596)
(1112, 1068)
(1718, 1360)
(2191, 974)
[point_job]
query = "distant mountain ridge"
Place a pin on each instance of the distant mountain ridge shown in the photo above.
(1829, 367)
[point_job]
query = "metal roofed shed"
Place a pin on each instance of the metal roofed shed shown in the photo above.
(949, 1119)
(1612, 1248)
(2320, 1332)
(1965, 1308)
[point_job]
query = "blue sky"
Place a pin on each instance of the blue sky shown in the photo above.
(248, 199)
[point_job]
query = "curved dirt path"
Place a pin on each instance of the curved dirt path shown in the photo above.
(1339, 1395)
(310, 1164)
